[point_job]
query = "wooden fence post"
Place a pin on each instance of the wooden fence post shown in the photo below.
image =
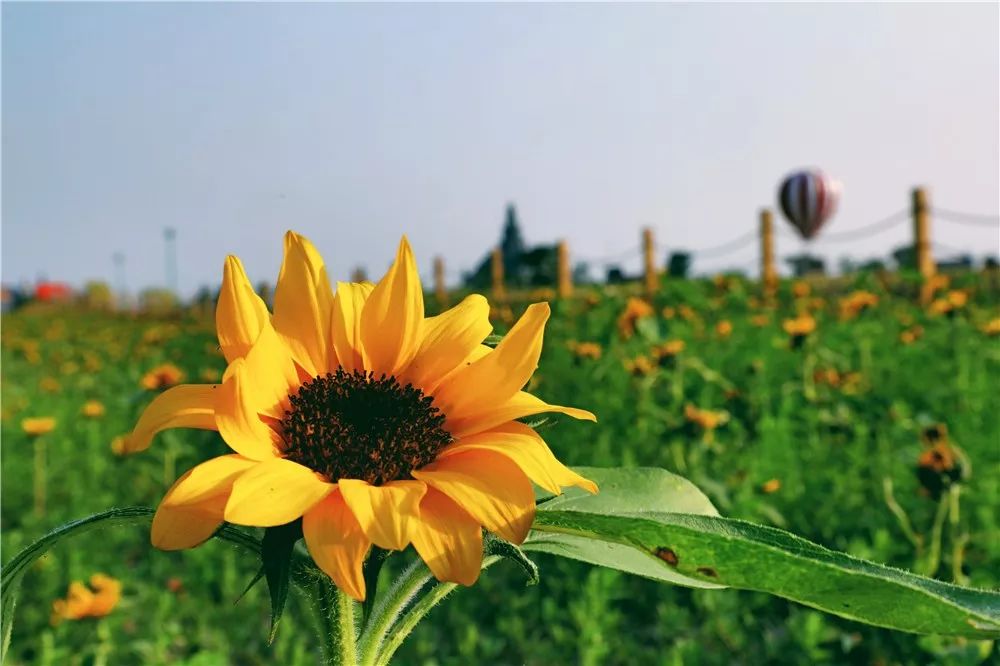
(440, 292)
(922, 233)
(563, 270)
(496, 266)
(768, 273)
(651, 276)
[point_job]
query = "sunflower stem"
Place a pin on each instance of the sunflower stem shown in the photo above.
(389, 607)
(417, 612)
(347, 648)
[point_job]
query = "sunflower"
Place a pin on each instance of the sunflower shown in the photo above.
(371, 423)
(81, 601)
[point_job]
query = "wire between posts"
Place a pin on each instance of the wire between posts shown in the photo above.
(968, 219)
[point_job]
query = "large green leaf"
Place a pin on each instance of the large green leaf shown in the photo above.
(752, 557)
(622, 491)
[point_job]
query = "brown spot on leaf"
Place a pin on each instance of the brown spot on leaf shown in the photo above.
(667, 555)
(708, 571)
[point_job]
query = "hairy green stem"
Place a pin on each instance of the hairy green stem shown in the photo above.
(417, 612)
(388, 608)
(934, 555)
(347, 647)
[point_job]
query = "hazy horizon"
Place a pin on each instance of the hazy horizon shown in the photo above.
(354, 124)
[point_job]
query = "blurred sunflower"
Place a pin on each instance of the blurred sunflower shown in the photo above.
(635, 309)
(41, 425)
(724, 329)
(81, 601)
(92, 409)
(992, 327)
(799, 328)
(162, 376)
(370, 422)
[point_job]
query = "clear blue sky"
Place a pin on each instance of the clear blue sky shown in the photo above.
(354, 124)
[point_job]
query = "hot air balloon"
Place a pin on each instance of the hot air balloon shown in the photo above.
(808, 199)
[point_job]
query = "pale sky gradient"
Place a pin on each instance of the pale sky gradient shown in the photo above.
(354, 124)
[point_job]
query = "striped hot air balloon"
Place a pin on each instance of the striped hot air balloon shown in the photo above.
(808, 199)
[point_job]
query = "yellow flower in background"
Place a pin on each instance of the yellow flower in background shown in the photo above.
(857, 302)
(42, 425)
(760, 320)
(92, 409)
(209, 375)
(801, 289)
(372, 423)
(118, 445)
(770, 486)
(911, 335)
(668, 351)
(724, 329)
(801, 325)
(948, 304)
(635, 309)
(992, 327)
(81, 601)
(162, 376)
(586, 350)
(50, 385)
(706, 419)
(640, 366)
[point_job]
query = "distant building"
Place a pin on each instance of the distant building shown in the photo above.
(522, 266)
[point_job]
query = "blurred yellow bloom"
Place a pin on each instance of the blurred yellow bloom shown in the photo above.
(760, 320)
(857, 302)
(93, 409)
(724, 329)
(50, 385)
(590, 350)
(770, 486)
(801, 289)
(640, 366)
(668, 312)
(367, 420)
(635, 309)
(162, 376)
(81, 601)
(992, 327)
(118, 445)
(800, 326)
(38, 426)
(668, 350)
(911, 335)
(706, 419)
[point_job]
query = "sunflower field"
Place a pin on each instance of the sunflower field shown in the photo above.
(860, 413)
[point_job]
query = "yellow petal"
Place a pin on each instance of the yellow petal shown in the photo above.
(393, 316)
(303, 301)
(237, 417)
(448, 539)
(267, 375)
(387, 512)
(346, 326)
(240, 312)
(448, 340)
(184, 406)
(192, 509)
(274, 492)
(499, 375)
(490, 487)
(521, 405)
(336, 543)
(525, 447)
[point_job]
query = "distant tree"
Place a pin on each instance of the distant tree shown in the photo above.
(992, 263)
(904, 257)
(805, 264)
(679, 264)
(581, 273)
(512, 245)
(615, 275)
(872, 266)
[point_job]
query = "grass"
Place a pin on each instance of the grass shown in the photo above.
(830, 424)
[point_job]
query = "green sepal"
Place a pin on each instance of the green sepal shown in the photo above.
(276, 561)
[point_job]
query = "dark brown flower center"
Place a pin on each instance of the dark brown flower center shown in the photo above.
(354, 426)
